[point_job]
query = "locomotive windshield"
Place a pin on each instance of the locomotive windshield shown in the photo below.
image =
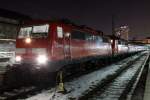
(39, 31)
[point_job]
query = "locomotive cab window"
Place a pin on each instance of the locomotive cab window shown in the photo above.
(39, 31)
(25, 32)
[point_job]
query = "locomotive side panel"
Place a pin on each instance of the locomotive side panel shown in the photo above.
(57, 43)
(84, 44)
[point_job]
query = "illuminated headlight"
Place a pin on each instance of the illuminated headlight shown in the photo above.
(42, 59)
(28, 40)
(18, 58)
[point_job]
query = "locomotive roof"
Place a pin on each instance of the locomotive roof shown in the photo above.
(79, 27)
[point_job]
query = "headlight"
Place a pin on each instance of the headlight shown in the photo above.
(18, 58)
(28, 40)
(42, 59)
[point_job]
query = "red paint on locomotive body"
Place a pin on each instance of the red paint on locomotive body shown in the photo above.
(63, 42)
(63, 47)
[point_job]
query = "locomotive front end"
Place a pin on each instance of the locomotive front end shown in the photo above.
(32, 45)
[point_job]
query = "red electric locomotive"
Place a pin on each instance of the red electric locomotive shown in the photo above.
(43, 48)
(54, 44)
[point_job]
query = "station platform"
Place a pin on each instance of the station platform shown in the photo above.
(147, 87)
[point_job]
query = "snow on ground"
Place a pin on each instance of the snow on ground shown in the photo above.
(80, 86)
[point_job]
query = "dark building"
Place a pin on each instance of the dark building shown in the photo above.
(9, 22)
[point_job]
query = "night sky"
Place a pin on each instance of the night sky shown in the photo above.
(93, 13)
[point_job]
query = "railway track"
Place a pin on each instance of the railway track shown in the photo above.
(22, 92)
(15, 93)
(121, 87)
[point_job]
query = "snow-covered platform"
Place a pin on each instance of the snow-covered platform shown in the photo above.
(147, 88)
